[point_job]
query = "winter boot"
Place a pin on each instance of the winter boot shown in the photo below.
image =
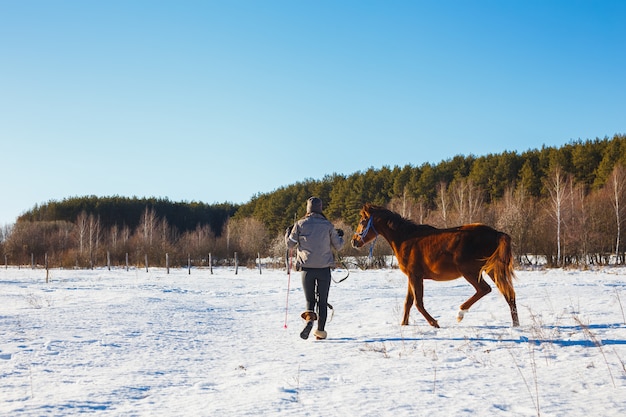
(304, 334)
(320, 334)
(309, 317)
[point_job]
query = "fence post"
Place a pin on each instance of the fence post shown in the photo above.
(210, 263)
(236, 264)
(167, 262)
(189, 264)
(146, 258)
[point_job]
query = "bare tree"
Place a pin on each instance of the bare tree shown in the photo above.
(81, 230)
(617, 186)
(5, 232)
(227, 235)
(443, 202)
(601, 227)
(515, 214)
(402, 204)
(251, 236)
(114, 234)
(198, 242)
(410, 208)
(126, 234)
(578, 227)
(165, 235)
(422, 210)
(93, 231)
(467, 200)
(147, 226)
(557, 186)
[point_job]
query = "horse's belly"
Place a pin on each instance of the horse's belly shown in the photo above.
(443, 274)
(443, 277)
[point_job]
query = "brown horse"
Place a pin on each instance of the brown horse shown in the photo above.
(425, 252)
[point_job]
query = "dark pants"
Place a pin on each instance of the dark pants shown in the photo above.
(316, 285)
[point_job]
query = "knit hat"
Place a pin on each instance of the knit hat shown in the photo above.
(314, 205)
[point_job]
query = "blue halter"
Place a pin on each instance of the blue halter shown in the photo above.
(364, 233)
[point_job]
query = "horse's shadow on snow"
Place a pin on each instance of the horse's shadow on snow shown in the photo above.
(587, 331)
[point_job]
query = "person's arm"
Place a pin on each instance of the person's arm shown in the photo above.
(336, 238)
(291, 236)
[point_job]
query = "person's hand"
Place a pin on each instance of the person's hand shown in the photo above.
(339, 232)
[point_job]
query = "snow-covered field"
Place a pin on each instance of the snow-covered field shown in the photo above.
(137, 343)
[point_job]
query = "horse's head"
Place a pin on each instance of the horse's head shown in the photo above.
(365, 231)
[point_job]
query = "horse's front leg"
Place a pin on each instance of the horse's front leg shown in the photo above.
(418, 294)
(408, 303)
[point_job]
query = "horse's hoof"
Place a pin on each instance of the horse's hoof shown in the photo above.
(460, 315)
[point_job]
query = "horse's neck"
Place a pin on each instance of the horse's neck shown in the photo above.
(393, 237)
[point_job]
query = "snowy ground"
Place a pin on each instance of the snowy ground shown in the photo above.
(137, 343)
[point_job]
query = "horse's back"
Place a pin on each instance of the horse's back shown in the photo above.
(467, 235)
(446, 254)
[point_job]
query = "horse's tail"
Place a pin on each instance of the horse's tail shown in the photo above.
(499, 266)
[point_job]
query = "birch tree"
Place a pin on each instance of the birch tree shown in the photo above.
(557, 187)
(467, 199)
(443, 202)
(617, 187)
(148, 225)
(81, 230)
(93, 231)
(402, 204)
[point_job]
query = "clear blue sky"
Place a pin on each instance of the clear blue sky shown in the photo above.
(216, 101)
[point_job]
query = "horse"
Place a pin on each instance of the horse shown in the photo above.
(426, 252)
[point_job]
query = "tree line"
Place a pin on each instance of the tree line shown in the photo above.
(562, 205)
(89, 231)
(125, 211)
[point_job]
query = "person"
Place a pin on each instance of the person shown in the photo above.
(314, 238)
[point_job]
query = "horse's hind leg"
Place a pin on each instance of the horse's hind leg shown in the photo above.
(482, 289)
(509, 296)
(513, 308)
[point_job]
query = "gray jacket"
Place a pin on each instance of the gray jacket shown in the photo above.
(315, 237)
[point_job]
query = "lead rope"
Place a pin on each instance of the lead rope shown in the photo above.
(372, 247)
(317, 308)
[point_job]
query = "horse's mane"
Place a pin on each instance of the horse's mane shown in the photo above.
(395, 221)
